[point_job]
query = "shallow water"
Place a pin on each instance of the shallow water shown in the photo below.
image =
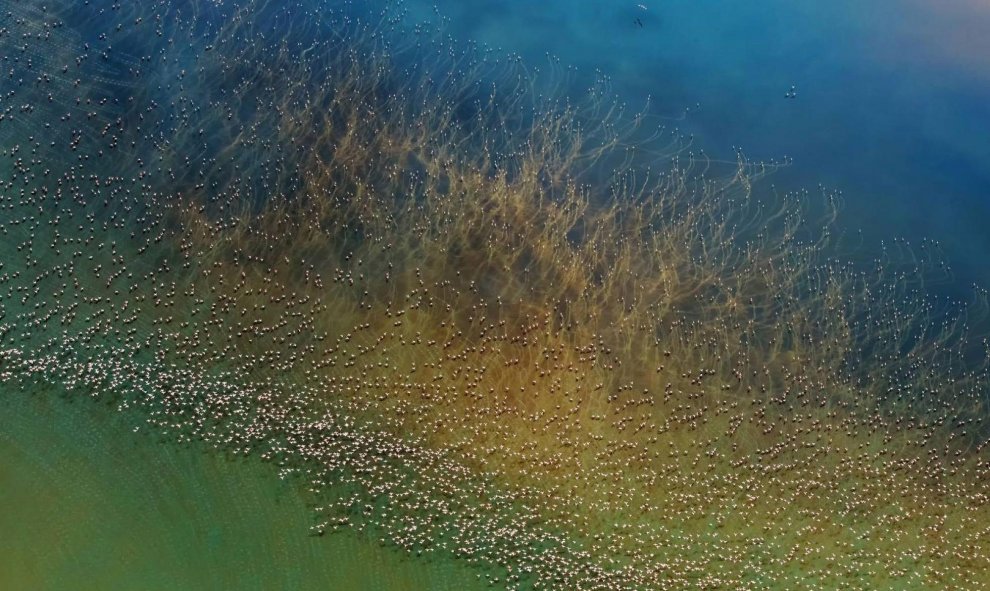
(891, 106)
(87, 503)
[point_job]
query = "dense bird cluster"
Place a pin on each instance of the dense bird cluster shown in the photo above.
(470, 318)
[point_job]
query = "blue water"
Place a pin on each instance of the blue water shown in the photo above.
(892, 105)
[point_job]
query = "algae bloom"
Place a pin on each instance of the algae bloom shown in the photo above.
(322, 291)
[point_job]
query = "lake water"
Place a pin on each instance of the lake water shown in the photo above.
(88, 503)
(171, 170)
(892, 102)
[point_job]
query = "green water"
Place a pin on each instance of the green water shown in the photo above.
(86, 503)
